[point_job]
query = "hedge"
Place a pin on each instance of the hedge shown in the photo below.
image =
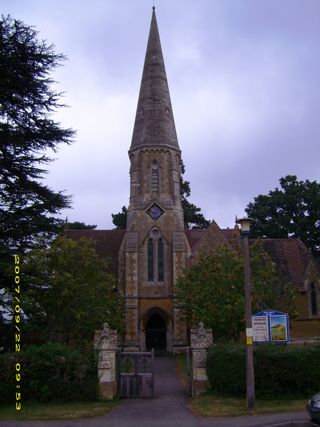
(50, 372)
(279, 370)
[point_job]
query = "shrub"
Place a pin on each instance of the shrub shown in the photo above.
(279, 370)
(50, 372)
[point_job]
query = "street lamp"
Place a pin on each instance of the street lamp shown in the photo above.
(245, 230)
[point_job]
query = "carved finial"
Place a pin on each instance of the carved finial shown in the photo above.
(106, 326)
(201, 325)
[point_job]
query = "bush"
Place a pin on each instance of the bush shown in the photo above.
(50, 372)
(279, 370)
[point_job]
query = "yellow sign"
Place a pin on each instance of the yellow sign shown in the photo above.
(249, 340)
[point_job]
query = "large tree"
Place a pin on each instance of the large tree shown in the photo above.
(212, 290)
(27, 135)
(68, 293)
(291, 211)
(193, 218)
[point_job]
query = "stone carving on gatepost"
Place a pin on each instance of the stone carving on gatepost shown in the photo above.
(106, 344)
(201, 339)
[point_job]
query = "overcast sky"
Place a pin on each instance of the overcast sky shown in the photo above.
(244, 78)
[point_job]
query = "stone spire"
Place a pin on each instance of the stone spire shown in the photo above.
(154, 124)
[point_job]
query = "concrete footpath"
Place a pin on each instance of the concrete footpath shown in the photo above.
(169, 408)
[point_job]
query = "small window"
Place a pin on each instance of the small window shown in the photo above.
(313, 300)
(155, 176)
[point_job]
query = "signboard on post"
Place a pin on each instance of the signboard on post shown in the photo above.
(260, 328)
(270, 326)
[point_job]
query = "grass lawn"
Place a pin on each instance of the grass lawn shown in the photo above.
(211, 405)
(219, 406)
(57, 411)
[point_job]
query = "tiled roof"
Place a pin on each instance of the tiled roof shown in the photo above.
(194, 236)
(108, 244)
(291, 257)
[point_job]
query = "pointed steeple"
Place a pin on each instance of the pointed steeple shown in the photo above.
(154, 124)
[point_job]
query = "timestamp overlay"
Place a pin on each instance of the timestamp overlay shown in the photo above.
(17, 329)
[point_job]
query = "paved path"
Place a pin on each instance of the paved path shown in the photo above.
(169, 408)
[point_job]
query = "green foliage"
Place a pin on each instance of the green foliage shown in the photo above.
(291, 211)
(120, 219)
(51, 372)
(212, 291)
(28, 208)
(226, 369)
(68, 293)
(279, 370)
(27, 131)
(79, 226)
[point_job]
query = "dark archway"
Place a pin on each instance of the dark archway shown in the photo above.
(156, 333)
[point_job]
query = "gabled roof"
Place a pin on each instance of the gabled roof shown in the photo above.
(154, 123)
(194, 236)
(291, 257)
(202, 239)
(108, 244)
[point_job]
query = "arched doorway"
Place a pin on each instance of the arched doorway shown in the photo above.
(156, 333)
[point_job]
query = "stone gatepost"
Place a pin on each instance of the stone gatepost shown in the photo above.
(105, 343)
(201, 339)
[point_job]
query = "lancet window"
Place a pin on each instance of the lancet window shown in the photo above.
(155, 257)
(313, 300)
(150, 261)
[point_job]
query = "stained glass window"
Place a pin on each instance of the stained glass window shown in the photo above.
(160, 260)
(156, 251)
(150, 260)
(155, 211)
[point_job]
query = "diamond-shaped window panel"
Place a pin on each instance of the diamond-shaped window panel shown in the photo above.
(155, 211)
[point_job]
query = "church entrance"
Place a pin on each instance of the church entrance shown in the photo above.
(156, 333)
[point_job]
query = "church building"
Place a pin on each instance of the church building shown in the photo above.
(148, 256)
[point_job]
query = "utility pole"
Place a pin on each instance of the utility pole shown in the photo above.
(250, 386)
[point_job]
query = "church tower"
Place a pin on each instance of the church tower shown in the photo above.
(155, 242)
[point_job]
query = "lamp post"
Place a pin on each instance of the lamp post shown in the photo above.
(245, 230)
